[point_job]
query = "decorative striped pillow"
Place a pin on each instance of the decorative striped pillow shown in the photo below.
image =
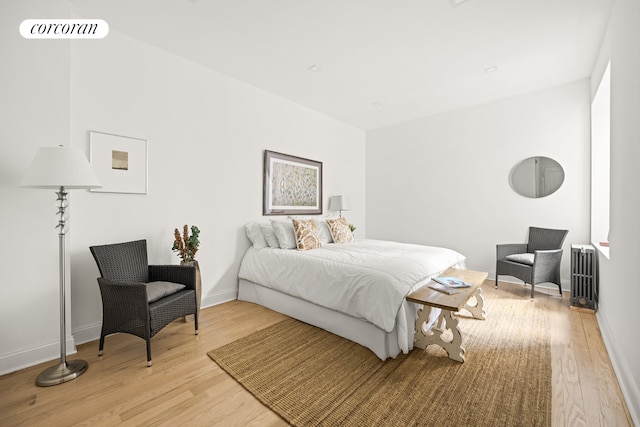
(340, 230)
(307, 234)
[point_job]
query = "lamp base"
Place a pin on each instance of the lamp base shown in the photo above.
(61, 373)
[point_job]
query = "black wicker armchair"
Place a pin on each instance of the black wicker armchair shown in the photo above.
(138, 298)
(537, 261)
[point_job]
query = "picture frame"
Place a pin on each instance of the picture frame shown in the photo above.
(119, 162)
(291, 185)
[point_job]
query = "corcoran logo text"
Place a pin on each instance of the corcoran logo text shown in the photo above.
(64, 29)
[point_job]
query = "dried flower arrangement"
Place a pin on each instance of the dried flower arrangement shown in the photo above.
(186, 245)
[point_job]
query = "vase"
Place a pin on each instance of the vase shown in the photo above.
(189, 317)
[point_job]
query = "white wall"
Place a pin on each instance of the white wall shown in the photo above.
(206, 134)
(34, 112)
(619, 286)
(444, 180)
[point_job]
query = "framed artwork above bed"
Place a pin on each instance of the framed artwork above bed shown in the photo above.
(291, 185)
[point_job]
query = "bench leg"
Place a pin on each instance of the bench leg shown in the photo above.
(446, 321)
(477, 311)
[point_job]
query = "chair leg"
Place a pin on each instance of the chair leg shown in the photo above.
(195, 321)
(496, 278)
(533, 287)
(101, 346)
(148, 352)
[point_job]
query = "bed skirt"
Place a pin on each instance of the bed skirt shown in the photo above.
(383, 344)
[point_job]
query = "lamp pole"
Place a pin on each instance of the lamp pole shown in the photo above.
(61, 168)
(64, 371)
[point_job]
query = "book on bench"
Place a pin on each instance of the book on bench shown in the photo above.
(452, 282)
(443, 288)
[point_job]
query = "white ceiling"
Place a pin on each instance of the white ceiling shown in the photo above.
(382, 61)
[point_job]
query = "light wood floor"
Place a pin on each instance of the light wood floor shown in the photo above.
(184, 387)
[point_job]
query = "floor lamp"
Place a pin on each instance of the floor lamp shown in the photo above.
(61, 169)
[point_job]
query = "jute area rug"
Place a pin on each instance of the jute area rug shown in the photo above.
(311, 377)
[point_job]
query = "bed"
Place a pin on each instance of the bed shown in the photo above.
(355, 290)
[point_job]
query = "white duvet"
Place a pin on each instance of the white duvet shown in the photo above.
(366, 279)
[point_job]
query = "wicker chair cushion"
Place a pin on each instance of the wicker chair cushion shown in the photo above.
(522, 258)
(157, 290)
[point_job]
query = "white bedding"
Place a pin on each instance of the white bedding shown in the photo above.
(366, 279)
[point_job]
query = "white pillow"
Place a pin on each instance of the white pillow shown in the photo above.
(325, 233)
(526, 258)
(269, 235)
(284, 233)
(254, 233)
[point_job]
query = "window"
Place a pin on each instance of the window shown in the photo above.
(600, 164)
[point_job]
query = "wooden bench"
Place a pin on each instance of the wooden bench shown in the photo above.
(449, 304)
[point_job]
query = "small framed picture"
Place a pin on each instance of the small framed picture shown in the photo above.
(119, 162)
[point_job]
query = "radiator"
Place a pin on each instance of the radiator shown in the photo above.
(584, 282)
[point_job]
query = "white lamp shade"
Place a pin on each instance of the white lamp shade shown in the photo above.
(339, 203)
(55, 167)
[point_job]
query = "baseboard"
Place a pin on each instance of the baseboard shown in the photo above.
(630, 389)
(28, 357)
(565, 284)
(219, 298)
(90, 333)
(34, 355)
(87, 333)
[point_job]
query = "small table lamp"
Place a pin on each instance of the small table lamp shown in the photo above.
(339, 203)
(61, 168)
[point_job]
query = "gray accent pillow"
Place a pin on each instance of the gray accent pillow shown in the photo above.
(157, 290)
(325, 233)
(284, 233)
(254, 233)
(522, 258)
(269, 235)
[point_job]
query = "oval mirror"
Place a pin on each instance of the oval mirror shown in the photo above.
(536, 177)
